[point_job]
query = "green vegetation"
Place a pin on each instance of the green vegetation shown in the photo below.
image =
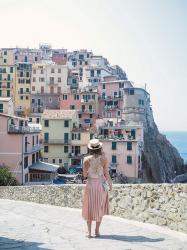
(6, 178)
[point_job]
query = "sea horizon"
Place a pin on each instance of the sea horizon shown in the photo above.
(179, 140)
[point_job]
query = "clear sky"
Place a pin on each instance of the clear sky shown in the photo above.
(147, 38)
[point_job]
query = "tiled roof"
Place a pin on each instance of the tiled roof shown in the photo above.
(44, 166)
(58, 114)
(5, 99)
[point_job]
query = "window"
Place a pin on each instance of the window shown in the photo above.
(46, 123)
(65, 97)
(66, 124)
(1, 107)
(66, 149)
(114, 145)
(37, 120)
(46, 137)
(42, 89)
(91, 115)
(26, 162)
(8, 85)
(72, 106)
(131, 92)
(59, 90)
(21, 97)
(33, 140)
(37, 139)
(59, 70)
(33, 158)
(98, 72)
(34, 79)
(5, 60)
(37, 156)
(46, 149)
(129, 145)
(129, 159)
(60, 161)
(80, 116)
(92, 73)
(103, 85)
(27, 90)
(59, 79)
(27, 74)
(76, 97)
(34, 71)
(118, 113)
(8, 93)
(114, 160)
(36, 59)
(30, 119)
(51, 80)
(52, 70)
(53, 160)
(33, 88)
(11, 69)
(5, 52)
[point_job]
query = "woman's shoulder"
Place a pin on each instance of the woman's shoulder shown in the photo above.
(87, 158)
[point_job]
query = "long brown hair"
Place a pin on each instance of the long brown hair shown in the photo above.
(96, 151)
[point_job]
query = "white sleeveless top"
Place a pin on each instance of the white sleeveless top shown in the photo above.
(96, 166)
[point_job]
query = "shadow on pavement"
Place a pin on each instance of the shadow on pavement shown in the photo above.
(130, 238)
(8, 243)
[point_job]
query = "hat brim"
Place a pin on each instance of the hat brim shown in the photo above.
(95, 148)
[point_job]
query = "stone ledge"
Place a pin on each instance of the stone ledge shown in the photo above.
(161, 204)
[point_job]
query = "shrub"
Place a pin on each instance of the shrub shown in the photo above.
(6, 178)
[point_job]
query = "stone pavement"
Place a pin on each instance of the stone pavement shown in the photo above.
(30, 226)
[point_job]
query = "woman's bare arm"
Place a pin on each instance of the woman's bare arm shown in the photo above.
(85, 168)
(106, 172)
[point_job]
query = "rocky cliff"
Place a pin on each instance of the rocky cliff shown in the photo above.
(161, 160)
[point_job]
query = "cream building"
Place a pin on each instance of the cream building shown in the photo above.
(57, 135)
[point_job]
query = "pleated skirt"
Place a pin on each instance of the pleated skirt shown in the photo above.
(95, 200)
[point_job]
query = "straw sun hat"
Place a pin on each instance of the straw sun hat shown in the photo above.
(94, 144)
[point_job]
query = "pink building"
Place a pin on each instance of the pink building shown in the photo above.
(20, 148)
(111, 96)
(85, 101)
(122, 144)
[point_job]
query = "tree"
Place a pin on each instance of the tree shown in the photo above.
(6, 178)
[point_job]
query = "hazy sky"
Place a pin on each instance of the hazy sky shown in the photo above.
(147, 38)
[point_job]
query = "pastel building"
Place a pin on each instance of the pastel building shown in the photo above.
(85, 101)
(57, 135)
(8, 81)
(23, 89)
(122, 145)
(6, 105)
(136, 104)
(111, 93)
(21, 146)
(48, 83)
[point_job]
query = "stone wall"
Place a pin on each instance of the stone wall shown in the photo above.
(161, 204)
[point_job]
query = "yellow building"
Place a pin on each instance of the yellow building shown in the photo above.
(57, 126)
(23, 88)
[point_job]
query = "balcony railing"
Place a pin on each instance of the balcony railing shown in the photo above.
(57, 141)
(33, 149)
(92, 111)
(111, 97)
(129, 110)
(111, 107)
(113, 165)
(88, 100)
(115, 138)
(75, 155)
(13, 129)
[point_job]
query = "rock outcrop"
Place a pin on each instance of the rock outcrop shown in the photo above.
(161, 160)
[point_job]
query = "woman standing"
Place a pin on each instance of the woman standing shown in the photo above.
(95, 200)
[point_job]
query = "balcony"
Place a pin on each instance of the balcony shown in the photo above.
(88, 101)
(13, 129)
(91, 111)
(129, 110)
(113, 165)
(115, 138)
(75, 156)
(112, 107)
(109, 98)
(57, 141)
(33, 149)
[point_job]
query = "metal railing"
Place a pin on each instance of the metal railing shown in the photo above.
(33, 149)
(21, 129)
(57, 141)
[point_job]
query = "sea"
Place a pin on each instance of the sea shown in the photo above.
(179, 140)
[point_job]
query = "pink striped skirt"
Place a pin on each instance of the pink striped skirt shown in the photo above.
(95, 200)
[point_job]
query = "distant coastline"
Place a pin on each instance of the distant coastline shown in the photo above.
(179, 140)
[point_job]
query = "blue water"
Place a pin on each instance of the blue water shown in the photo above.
(178, 140)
